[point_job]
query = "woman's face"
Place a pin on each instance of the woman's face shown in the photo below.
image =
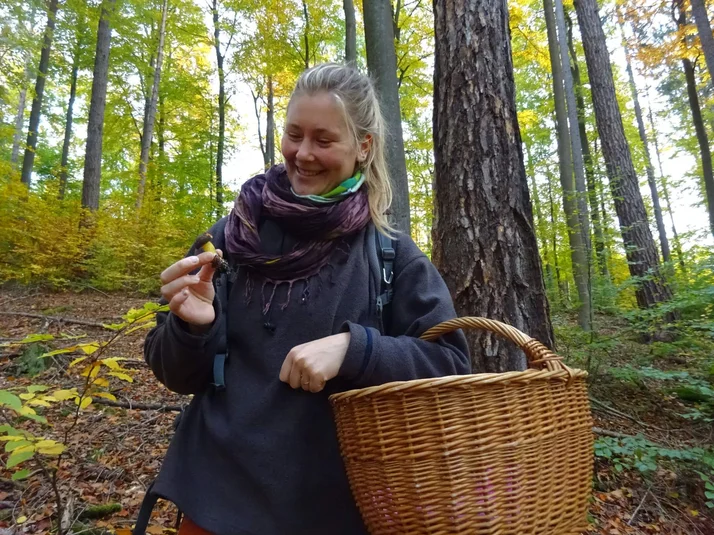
(318, 148)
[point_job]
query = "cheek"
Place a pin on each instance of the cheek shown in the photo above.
(287, 148)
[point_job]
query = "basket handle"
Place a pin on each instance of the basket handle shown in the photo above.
(539, 356)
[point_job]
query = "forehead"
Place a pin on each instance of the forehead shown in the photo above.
(320, 111)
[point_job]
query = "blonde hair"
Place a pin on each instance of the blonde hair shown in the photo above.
(356, 96)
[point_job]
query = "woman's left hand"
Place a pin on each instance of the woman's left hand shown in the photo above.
(309, 366)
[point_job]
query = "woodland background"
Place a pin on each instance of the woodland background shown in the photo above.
(567, 189)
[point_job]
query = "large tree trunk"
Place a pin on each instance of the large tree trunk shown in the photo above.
(600, 252)
(639, 245)
(651, 180)
(150, 115)
(95, 124)
(350, 32)
(382, 65)
(68, 124)
(704, 29)
(29, 159)
(578, 245)
(221, 109)
(484, 242)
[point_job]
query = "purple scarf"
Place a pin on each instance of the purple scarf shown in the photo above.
(316, 227)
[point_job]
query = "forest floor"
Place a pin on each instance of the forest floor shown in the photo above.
(114, 453)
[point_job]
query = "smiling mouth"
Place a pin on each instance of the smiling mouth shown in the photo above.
(306, 173)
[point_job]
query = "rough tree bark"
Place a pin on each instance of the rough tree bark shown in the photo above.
(221, 107)
(95, 124)
(29, 158)
(639, 245)
(382, 65)
(704, 30)
(484, 242)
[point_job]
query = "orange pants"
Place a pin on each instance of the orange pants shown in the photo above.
(189, 528)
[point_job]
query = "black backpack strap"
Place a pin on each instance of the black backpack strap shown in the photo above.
(147, 506)
(219, 371)
(386, 255)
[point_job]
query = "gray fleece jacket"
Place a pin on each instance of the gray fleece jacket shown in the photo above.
(261, 458)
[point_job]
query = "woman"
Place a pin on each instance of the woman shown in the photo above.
(261, 456)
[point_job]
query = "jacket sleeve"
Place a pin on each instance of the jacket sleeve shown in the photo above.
(421, 300)
(182, 361)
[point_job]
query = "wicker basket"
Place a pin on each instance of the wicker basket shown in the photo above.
(498, 454)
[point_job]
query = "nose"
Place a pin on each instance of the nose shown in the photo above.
(304, 152)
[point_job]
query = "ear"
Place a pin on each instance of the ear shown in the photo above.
(364, 147)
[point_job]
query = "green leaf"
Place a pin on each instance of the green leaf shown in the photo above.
(17, 458)
(58, 352)
(12, 446)
(37, 388)
(10, 399)
(20, 474)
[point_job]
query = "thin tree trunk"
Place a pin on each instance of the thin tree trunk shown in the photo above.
(29, 159)
(639, 244)
(68, 125)
(95, 124)
(161, 135)
(587, 156)
(539, 218)
(484, 242)
(562, 292)
(148, 132)
(350, 32)
(575, 143)
(221, 109)
(578, 246)
(270, 123)
(704, 30)
(306, 34)
(665, 192)
(702, 137)
(651, 180)
(263, 144)
(19, 125)
(382, 65)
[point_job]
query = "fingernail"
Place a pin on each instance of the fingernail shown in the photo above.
(194, 260)
(185, 292)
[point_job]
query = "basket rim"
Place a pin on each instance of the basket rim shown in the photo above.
(416, 385)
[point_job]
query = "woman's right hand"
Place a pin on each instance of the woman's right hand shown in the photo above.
(190, 297)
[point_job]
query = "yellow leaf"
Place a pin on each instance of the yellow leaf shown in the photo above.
(155, 530)
(64, 395)
(21, 520)
(105, 395)
(86, 402)
(39, 402)
(92, 370)
(122, 376)
(122, 531)
(27, 395)
(55, 449)
(147, 325)
(77, 361)
(25, 410)
(694, 512)
(10, 438)
(29, 447)
(112, 363)
(89, 348)
(101, 381)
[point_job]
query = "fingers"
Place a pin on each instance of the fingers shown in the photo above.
(298, 373)
(185, 266)
(178, 300)
(173, 288)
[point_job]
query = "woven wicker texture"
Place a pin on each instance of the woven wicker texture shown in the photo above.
(497, 454)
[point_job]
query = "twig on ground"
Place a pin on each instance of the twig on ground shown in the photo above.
(615, 412)
(140, 406)
(54, 318)
(632, 518)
